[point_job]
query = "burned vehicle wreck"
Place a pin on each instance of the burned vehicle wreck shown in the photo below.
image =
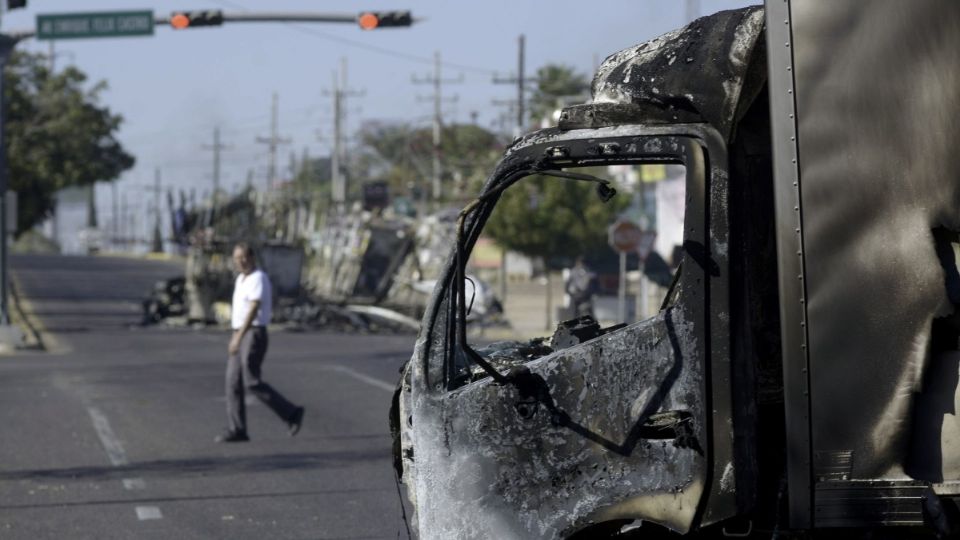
(797, 376)
(589, 433)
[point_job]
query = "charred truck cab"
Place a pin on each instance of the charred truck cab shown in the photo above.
(801, 372)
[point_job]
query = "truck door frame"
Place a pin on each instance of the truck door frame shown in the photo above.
(790, 263)
(719, 500)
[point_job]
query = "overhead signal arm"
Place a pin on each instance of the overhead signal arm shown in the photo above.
(367, 20)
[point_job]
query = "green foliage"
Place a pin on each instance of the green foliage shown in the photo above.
(403, 156)
(312, 176)
(554, 219)
(57, 135)
(557, 85)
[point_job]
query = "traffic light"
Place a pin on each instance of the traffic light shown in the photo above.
(369, 20)
(14, 4)
(190, 19)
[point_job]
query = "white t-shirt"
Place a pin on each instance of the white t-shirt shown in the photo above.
(247, 289)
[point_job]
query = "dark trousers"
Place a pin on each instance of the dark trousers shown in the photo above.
(243, 372)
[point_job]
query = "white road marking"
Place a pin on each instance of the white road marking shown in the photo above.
(134, 484)
(148, 512)
(111, 443)
(118, 457)
(383, 385)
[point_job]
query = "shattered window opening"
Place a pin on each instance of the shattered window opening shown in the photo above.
(568, 225)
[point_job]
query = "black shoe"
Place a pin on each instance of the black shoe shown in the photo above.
(232, 436)
(295, 421)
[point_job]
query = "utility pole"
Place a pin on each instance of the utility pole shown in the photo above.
(124, 225)
(114, 222)
(6, 49)
(216, 147)
(505, 116)
(157, 245)
(339, 190)
(92, 221)
(437, 81)
(521, 83)
(273, 142)
(135, 224)
(340, 92)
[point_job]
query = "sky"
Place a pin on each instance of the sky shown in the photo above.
(175, 87)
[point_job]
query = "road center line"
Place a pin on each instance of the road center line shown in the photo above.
(118, 457)
(383, 385)
(134, 484)
(148, 512)
(111, 443)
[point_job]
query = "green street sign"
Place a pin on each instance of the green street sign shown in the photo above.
(95, 25)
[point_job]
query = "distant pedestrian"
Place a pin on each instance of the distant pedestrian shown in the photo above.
(252, 303)
(581, 285)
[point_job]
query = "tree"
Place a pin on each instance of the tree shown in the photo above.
(557, 85)
(402, 155)
(313, 176)
(554, 219)
(57, 135)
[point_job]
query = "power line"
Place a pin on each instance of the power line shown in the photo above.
(367, 46)
(389, 52)
(340, 93)
(520, 81)
(216, 147)
(251, 122)
(437, 81)
(273, 142)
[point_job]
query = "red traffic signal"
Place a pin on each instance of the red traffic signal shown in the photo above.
(190, 19)
(370, 20)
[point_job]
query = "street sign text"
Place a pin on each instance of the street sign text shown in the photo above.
(95, 25)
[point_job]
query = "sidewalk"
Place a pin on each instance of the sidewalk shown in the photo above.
(525, 309)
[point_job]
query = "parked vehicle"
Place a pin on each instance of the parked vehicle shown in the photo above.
(802, 374)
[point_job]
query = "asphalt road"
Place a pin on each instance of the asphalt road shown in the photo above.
(110, 434)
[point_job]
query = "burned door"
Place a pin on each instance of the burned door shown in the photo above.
(540, 439)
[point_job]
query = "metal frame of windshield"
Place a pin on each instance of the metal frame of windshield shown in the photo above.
(551, 147)
(556, 149)
(543, 158)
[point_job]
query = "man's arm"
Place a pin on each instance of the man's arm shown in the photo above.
(247, 323)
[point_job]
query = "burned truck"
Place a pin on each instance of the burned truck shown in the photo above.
(801, 376)
(365, 261)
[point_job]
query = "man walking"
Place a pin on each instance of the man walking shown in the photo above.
(581, 285)
(252, 304)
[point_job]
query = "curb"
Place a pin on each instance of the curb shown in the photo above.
(32, 336)
(142, 256)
